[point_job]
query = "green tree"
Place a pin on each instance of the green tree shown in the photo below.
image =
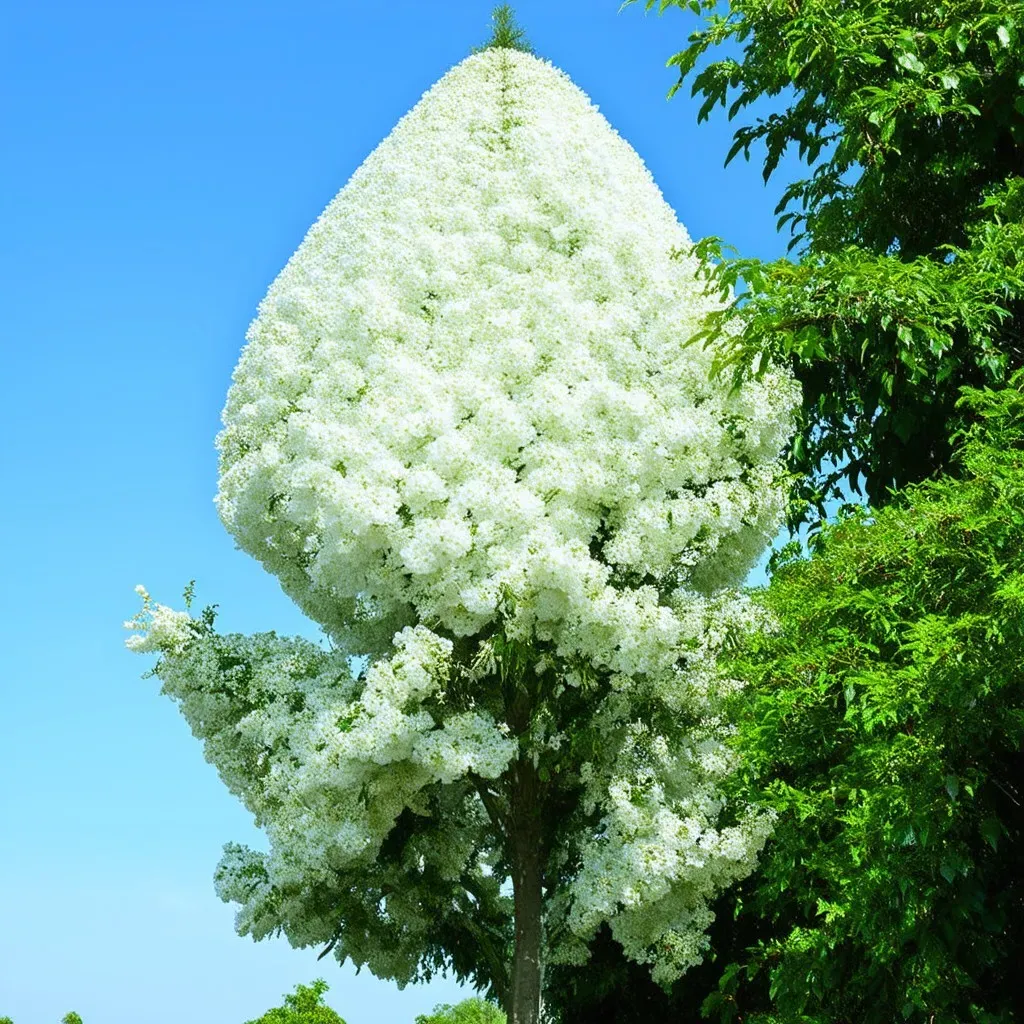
(304, 1006)
(883, 721)
(469, 1011)
(910, 276)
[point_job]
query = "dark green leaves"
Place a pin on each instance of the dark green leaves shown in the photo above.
(884, 722)
(909, 284)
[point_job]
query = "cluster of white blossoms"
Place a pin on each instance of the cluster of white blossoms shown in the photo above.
(467, 408)
(324, 761)
(472, 378)
(657, 854)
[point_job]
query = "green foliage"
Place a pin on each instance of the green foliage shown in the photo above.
(505, 32)
(884, 723)
(304, 1006)
(469, 1011)
(883, 720)
(909, 284)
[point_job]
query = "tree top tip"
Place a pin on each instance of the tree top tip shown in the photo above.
(506, 33)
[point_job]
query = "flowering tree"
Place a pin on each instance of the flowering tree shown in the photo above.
(468, 437)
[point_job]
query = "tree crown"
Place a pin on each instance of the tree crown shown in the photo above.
(303, 1006)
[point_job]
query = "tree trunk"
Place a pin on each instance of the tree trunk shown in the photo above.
(527, 879)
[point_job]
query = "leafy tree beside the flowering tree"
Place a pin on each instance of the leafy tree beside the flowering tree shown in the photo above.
(908, 225)
(883, 721)
(468, 438)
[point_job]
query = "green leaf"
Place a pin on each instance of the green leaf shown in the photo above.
(910, 61)
(991, 830)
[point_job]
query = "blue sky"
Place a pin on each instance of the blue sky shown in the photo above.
(161, 163)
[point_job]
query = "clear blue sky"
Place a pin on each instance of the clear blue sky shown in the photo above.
(160, 163)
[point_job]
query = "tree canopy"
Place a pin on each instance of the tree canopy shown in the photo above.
(303, 1006)
(469, 1011)
(908, 228)
(478, 435)
(465, 437)
(884, 724)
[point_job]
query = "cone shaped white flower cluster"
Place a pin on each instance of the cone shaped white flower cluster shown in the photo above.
(467, 422)
(471, 377)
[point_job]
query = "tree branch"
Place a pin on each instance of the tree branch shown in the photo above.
(497, 814)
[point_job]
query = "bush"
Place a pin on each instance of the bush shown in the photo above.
(304, 1006)
(469, 1011)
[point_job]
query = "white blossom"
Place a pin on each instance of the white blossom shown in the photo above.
(467, 412)
(474, 365)
(162, 628)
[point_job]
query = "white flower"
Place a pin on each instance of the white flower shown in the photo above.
(163, 629)
(474, 365)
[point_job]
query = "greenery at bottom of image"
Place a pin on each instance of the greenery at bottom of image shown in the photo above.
(304, 1006)
(469, 1011)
